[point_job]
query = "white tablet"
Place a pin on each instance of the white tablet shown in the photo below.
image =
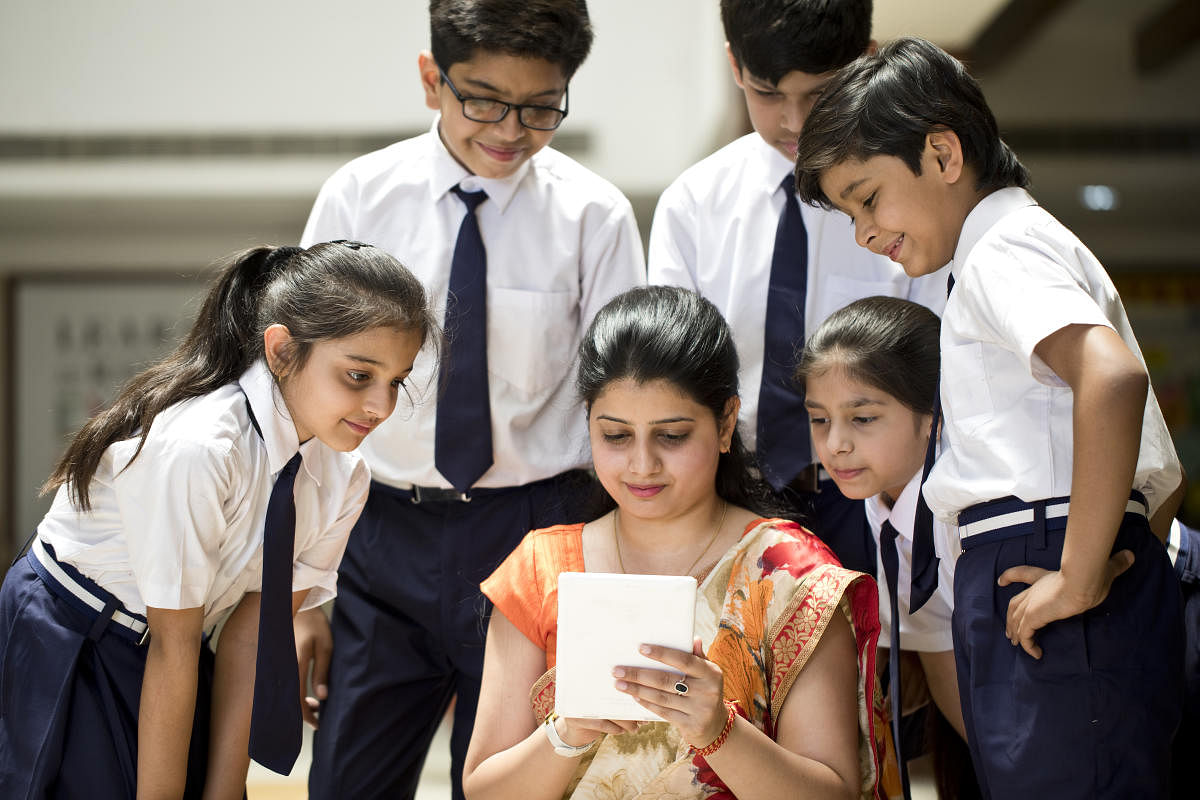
(602, 620)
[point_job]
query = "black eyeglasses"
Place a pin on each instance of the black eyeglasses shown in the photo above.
(483, 109)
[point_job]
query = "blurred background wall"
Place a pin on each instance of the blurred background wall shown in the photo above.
(141, 140)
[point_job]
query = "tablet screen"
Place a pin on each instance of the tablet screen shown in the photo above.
(602, 620)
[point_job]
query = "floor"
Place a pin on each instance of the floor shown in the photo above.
(262, 784)
(435, 780)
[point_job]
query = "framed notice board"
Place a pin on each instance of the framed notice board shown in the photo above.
(74, 340)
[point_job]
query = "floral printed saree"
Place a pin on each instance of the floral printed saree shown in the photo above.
(760, 613)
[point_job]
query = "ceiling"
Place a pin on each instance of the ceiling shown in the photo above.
(1088, 92)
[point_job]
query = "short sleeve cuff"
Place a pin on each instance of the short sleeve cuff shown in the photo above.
(321, 584)
(172, 597)
(514, 592)
(920, 641)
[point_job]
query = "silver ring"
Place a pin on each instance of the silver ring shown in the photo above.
(681, 687)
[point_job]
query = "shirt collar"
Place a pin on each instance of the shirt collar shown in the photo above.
(903, 511)
(278, 431)
(983, 216)
(770, 164)
(446, 173)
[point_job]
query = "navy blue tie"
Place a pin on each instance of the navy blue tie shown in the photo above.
(462, 449)
(891, 572)
(275, 725)
(924, 558)
(784, 449)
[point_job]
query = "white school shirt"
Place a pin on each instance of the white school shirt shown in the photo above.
(714, 232)
(1020, 275)
(182, 526)
(560, 242)
(927, 631)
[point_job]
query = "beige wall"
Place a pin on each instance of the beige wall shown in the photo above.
(654, 96)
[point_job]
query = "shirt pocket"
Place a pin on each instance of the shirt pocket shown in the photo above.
(532, 337)
(966, 397)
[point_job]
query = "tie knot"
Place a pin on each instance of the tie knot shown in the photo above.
(887, 531)
(788, 184)
(472, 199)
(292, 466)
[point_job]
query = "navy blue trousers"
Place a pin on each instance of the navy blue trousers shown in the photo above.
(1187, 740)
(1094, 717)
(409, 626)
(69, 699)
(842, 524)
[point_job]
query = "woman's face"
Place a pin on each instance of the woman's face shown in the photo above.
(655, 449)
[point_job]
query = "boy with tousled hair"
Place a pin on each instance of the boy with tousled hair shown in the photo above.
(1060, 473)
(519, 246)
(731, 229)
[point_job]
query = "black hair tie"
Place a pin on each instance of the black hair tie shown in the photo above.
(278, 256)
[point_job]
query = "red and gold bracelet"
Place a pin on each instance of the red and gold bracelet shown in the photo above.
(715, 744)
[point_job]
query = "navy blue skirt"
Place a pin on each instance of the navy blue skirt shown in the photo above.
(69, 694)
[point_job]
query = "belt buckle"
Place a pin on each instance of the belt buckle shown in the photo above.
(439, 494)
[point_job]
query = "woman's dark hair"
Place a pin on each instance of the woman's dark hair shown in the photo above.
(665, 333)
(558, 31)
(771, 38)
(887, 103)
(328, 291)
(885, 342)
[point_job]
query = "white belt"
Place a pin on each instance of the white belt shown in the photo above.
(1025, 516)
(74, 587)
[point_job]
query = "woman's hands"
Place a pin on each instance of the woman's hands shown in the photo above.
(577, 731)
(699, 712)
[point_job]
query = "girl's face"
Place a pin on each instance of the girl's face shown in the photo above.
(347, 386)
(655, 449)
(868, 441)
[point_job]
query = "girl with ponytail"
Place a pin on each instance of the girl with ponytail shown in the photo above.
(221, 476)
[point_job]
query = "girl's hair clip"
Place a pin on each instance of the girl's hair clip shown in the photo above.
(353, 245)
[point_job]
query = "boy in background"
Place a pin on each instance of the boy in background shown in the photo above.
(730, 228)
(527, 245)
(1060, 474)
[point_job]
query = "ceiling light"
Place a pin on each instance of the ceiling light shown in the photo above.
(1098, 197)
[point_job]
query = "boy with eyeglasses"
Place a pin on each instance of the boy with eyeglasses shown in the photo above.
(520, 246)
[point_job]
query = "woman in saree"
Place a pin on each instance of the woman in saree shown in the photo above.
(776, 698)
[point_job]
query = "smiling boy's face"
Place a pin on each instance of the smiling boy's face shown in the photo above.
(492, 149)
(912, 219)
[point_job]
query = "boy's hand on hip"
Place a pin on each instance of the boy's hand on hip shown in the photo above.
(1050, 598)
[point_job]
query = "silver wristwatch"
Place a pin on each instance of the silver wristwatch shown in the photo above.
(560, 747)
